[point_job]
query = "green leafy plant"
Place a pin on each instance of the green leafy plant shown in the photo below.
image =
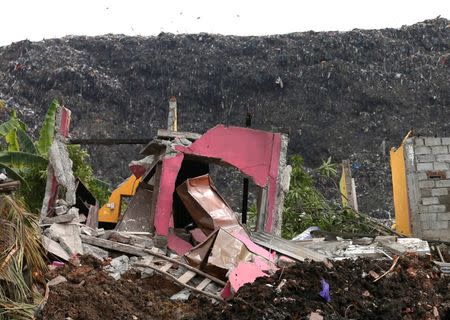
(83, 170)
(305, 206)
(327, 168)
(27, 161)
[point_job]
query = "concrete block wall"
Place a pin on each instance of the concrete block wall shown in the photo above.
(429, 193)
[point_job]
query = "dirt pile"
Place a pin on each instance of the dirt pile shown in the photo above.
(90, 293)
(345, 94)
(414, 290)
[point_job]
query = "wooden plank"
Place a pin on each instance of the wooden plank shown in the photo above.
(112, 245)
(201, 273)
(9, 186)
(162, 133)
(108, 141)
(202, 285)
(173, 278)
(166, 267)
(187, 276)
(156, 146)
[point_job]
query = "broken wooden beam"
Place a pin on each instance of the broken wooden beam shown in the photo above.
(203, 274)
(9, 186)
(109, 141)
(112, 245)
(168, 134)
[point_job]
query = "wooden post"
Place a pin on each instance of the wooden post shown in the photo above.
(347, 187)
(172, 118)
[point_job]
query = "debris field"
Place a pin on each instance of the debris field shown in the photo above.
(414, 289)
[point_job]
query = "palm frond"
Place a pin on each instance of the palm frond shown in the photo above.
(21, 258)
(19, 159)
(25, 142)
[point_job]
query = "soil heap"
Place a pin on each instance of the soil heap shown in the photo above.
(415, 289)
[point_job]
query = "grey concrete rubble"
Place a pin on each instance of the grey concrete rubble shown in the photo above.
(182, 295)
(403, 245)
(92, 232)
(64, 218)
(376, 248)
(118, 266)
(96, 252)
(57, 280)
(55, 248)
(68, 235)
(144, 242)
(59, 210)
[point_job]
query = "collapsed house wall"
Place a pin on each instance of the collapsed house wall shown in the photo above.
(427, 168)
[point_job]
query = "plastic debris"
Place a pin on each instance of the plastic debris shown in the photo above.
(325, 293)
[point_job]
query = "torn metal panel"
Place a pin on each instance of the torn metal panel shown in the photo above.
(197, 256)
(223, 251)
(177, 244)
(92, 217)
(198, 235)
(207, 208)
(137, 216)
(286, 247)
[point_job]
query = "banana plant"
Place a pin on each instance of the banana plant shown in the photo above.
(22, 153)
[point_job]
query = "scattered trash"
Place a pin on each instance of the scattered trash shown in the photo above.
(305, 235)
(325, 292)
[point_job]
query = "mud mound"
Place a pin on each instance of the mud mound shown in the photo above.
(90, 294)
(345, 94)
(414, 290)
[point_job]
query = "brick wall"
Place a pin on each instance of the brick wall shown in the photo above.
(430, 190)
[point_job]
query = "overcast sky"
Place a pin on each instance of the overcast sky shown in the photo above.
(39, 19)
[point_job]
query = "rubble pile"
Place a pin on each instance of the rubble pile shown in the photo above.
(413, 289)
(366, 87)
(90, 293)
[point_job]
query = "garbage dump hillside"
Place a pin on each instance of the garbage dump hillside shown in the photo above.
(345, 94)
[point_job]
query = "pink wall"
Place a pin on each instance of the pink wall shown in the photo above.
(255, 153)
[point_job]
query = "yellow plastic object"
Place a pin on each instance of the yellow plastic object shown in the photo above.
(400, 190)
(110, 212)
(343, 187)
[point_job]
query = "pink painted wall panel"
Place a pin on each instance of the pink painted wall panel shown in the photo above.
(163, 212)
(178, 245)
(251, 151)
(273, 174)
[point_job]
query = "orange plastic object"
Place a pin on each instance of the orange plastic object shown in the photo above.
(110, 212)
